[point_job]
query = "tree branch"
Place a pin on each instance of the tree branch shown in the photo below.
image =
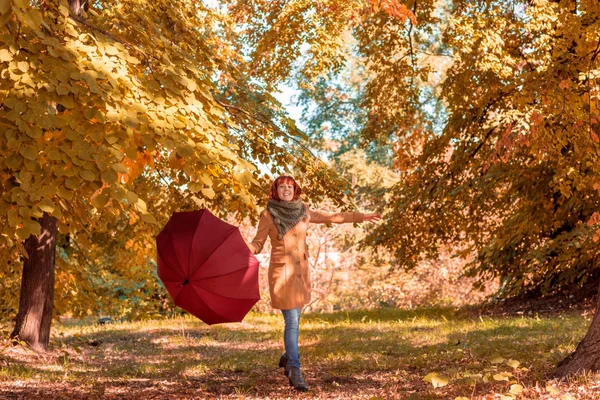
(265, 121)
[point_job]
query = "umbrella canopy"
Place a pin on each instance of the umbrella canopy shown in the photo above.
(206, 266)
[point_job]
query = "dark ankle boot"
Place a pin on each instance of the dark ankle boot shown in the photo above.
(283, 363)
(296, 380)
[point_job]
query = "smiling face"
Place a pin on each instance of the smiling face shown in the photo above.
(285, 188)
(285, 191)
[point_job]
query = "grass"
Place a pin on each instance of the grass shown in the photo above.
(376, 354)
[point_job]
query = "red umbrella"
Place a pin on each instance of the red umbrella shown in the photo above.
(207, 267)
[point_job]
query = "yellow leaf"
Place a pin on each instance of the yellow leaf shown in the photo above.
(110, 176)
(100, 200)
(436, 379)
(65, 193)
(140, 108)
(23, 66)
(141, 205)
(33, 227)
(132, 60)
(25, 176)
(66, 101)
(204, 178)
(111, 50)
(120, 168)
(113, 116)
(22, 233)
(149, 218)
(516, 389)
(47, 206)
(552, 390)
(5, 55)
(5, 6)
(208, 192)
(194, 187)
(497, 360)
(72, 183)
(502, 376)
(33, 18)
(513, 363)
(13, 161)
(13, 218)
(131, 121)
(87, 175)
(132, 197)
(29, 152)
(63, 10)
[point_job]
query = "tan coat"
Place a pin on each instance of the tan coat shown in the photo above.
(289, 274)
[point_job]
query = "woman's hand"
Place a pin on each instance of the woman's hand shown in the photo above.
(372, 217)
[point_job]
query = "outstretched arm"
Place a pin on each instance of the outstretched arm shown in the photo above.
(372, 217)
(324, 217)
(264, 224)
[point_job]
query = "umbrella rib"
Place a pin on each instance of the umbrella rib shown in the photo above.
(215, 249)
(220, 295)
(164, 264)
(224, 273)
(204, 300)
(172, 237)
(194, 238)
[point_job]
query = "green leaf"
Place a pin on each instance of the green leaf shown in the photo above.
(513, 363)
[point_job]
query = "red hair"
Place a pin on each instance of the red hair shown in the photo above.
(284, 179)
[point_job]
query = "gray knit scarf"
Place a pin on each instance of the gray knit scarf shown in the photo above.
(286, 214)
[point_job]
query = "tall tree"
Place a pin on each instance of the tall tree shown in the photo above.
(514, 172)
(105, 101)
(508, 167)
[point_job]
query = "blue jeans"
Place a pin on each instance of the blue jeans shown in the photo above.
(290, 336)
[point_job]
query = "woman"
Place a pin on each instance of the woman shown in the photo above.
(285, 221)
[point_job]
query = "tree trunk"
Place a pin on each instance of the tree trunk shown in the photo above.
(586, 356)
(37, 287)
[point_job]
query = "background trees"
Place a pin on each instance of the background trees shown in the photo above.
(108, 106)
(490, 109)
(487, 111)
